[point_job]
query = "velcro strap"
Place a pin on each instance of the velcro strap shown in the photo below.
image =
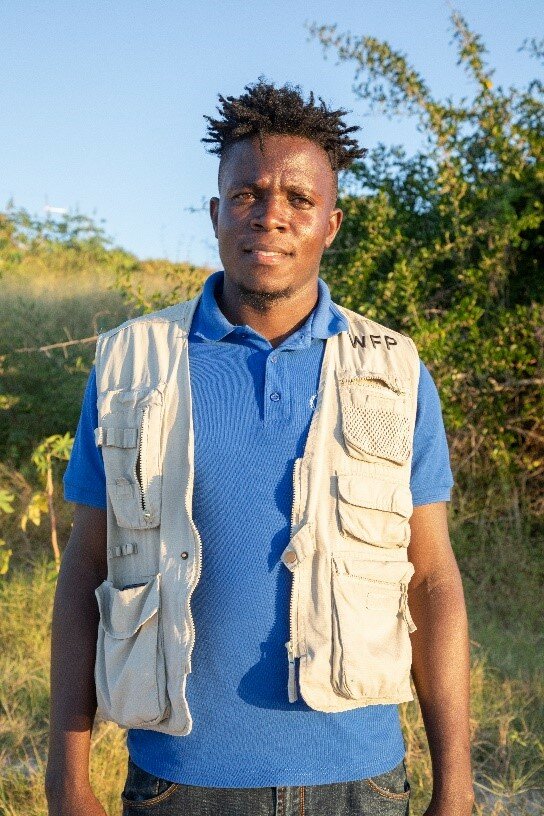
(123, 549)
(116, 437)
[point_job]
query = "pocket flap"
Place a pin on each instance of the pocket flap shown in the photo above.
(146, 395)
(124, 401)
(375, 494)
(381, 574)
(375, 379)
(116, 437)
(124, 611)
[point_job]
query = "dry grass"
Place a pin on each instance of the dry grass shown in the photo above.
(507, 752)
(26, 599)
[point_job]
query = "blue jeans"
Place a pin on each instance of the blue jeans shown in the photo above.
(384, 795)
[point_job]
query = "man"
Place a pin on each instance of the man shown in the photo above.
(258, 452)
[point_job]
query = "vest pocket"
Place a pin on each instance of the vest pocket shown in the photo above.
(374, 510)
(375, 420)
(372, 653)
(130, 440)
(130, 665)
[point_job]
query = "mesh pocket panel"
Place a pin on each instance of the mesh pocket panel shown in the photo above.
(376, 431)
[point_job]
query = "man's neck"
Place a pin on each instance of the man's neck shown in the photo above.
(277, 320)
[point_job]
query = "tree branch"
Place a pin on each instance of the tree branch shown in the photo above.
(59, 345)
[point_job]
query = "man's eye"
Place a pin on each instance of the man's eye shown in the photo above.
(302, 200)
(244, 196)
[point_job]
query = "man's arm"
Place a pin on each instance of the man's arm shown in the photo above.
(440, 666)
(73, 647)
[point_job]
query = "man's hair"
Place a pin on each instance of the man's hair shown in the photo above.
(265, 110)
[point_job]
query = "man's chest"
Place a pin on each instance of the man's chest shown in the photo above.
(243, 396)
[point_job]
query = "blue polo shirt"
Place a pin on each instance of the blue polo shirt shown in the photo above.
(252, 408)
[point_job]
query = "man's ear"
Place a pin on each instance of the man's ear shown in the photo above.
(214, 210)
(335, 219)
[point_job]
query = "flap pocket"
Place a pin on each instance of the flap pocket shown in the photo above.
(372, 651)
(375, 417)
(388, 574)
(374, 510)
(130, 672)
(130, 437)
(123, 611)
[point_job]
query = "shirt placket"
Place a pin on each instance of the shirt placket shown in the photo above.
(276, 396)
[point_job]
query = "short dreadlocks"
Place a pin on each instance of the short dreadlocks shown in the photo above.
(266, 110)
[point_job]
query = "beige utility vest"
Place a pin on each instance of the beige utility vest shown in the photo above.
(348, 616)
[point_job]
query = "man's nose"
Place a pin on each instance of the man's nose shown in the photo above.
(270, 214)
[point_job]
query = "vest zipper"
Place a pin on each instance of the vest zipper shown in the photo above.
(141, 477)
(291, 683)
(199, 571)
(196, 537)
(291, 644)
(295, 496)
(198, 560)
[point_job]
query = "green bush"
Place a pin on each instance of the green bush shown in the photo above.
(62, 280)
(446, 246)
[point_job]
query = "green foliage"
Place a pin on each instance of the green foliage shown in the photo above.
(6, 506)
(179, 281)
(53, 289)
(63, 280)
(5, 555)
(446, 245)
(6, 501)
(36, 507)
(24, 237)
(54, 447)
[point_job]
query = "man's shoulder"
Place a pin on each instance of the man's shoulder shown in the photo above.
(177, 313)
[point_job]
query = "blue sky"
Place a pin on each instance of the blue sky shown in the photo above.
(103, 102)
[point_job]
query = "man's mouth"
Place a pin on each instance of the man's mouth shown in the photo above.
(265, 254)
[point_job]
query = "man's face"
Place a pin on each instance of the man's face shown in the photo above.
(275, 215)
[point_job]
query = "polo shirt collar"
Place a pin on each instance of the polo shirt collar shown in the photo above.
(325, 321)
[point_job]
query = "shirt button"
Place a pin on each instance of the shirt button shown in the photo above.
(275, 396)
(185, 554)
(243, 335)
(274, 359)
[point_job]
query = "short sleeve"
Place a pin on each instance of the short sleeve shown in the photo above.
(431, 478)
(85, 478)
